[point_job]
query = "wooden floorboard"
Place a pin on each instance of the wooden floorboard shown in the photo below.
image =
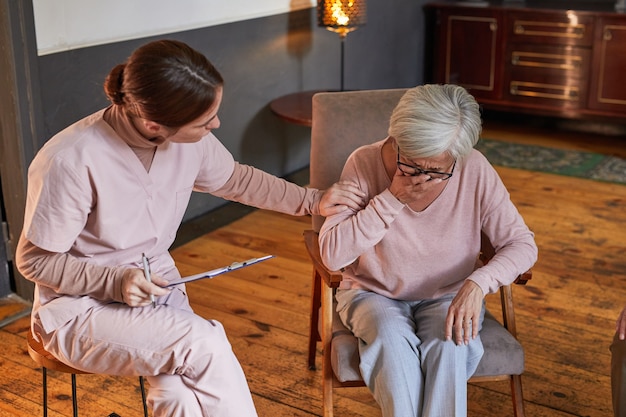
(565, 315)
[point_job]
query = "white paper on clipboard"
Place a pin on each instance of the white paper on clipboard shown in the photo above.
(215, 272)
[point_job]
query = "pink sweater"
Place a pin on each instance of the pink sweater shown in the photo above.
(392, 250)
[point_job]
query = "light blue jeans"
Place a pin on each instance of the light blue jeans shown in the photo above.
(405, 360)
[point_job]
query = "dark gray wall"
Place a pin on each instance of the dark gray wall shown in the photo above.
(19, 126)
(260, 59)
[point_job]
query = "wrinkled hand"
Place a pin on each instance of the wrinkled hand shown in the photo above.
(410, 189)
(464, 313)
(341, 196)
(620, 326)
(136, 289)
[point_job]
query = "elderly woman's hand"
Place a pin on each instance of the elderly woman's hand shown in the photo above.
(464, 313)
(411, 189)
(341, 196)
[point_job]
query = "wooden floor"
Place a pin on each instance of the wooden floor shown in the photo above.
(566, 314)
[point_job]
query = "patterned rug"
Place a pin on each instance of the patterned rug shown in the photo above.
(555, 161)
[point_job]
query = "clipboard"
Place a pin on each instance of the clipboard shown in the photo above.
(219, 271)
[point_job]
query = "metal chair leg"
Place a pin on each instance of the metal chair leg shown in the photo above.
(143, 396)
(44, 372)
(74, 399)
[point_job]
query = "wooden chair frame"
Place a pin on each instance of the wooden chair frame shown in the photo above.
(325, 282)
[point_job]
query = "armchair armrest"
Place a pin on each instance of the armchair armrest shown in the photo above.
(522, 279)
(487, 252)
(331, 278)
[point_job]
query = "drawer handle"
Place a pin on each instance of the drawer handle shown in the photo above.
(558, 92)
(608, 35)
(541, 60)
(549, 29)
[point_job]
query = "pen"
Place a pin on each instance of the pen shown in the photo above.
(237, 265)
(146, 272)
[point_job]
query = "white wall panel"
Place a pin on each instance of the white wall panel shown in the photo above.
(63, 25)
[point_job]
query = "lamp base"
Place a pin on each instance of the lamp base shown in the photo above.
(341, 31)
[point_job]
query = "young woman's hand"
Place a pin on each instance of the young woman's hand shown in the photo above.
(136, 289)
(341, 196)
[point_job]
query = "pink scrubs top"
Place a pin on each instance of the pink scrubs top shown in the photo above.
(111, 209)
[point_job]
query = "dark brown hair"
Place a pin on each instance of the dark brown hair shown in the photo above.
(166, 82)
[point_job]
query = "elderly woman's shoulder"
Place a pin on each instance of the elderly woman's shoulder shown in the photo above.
(476, 155)
(477, 160)
(370, 148)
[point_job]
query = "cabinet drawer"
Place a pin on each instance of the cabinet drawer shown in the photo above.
(563, 61)
(557, 28)
(547, 61)
(553, 76)
(547, 94)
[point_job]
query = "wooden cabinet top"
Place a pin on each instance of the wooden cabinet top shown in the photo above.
(553, 57)
(590, 6)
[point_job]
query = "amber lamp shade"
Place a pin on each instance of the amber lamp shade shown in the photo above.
(341, 16)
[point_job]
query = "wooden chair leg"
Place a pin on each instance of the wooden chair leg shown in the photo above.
(327, 387)
(327, 370)
(314, 335)
(516, 394)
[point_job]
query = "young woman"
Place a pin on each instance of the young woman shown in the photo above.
(115, 185)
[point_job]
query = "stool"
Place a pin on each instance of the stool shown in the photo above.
(47, 361)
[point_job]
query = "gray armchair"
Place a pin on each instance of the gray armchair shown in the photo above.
(343, 121)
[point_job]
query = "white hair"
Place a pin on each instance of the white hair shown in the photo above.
(432, 119)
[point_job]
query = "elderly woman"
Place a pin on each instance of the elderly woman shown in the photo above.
(411, 292)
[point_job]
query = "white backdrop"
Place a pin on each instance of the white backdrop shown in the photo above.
(63, 25)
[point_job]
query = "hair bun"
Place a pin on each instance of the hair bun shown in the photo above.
(114, 83)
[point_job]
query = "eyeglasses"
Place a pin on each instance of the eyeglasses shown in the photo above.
(413, 170)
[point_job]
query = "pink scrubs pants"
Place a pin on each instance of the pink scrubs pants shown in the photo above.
(187, 360)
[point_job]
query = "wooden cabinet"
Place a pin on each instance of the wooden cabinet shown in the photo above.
(608, 84)
(566, 63)
(469, 53)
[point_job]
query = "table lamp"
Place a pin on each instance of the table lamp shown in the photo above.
(341, 16)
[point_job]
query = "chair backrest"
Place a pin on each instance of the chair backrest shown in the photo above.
(343, 121)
